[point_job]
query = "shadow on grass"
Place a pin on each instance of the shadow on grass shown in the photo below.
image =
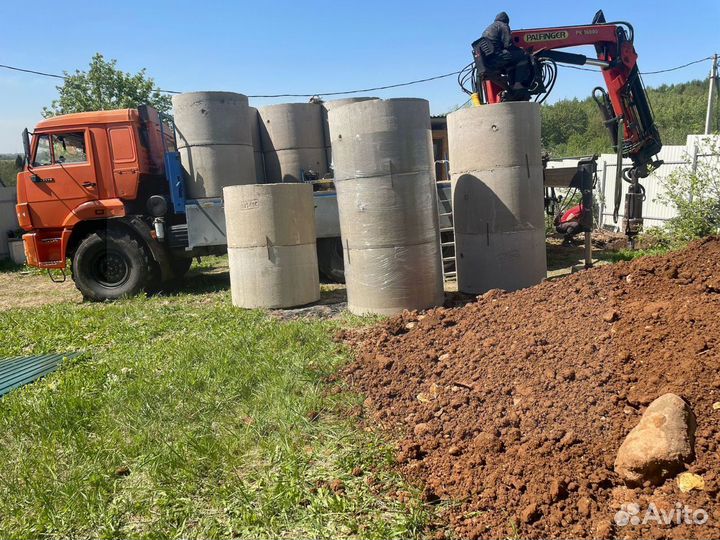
(559, 256)
(6, 265)
(214, 279)
(332, 293)
(562, 259)
(203, 282)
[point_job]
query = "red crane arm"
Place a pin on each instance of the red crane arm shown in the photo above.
(536, 39)
(617, 58)
(611, 48)
(506, 76)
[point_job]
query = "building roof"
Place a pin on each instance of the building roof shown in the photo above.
(438, 122)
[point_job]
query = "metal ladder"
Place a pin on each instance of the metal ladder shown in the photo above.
(447, 231)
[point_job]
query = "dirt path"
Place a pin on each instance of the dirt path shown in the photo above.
(29, 289)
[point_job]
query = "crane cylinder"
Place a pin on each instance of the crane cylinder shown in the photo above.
(497, 196)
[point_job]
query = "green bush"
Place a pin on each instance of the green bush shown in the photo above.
(694, 192)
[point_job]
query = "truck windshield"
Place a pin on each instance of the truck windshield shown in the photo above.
(42, 154)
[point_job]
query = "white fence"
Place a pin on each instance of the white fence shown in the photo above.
(699, 150)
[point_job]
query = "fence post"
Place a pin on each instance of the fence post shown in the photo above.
(601, 217)
(693, 166)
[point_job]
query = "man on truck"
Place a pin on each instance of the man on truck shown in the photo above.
(504, 53)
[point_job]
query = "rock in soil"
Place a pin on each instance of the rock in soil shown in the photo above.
(660, 445)
(522, 435)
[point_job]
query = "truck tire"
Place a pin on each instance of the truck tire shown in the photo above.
(180, 266)
(109, 265)
(330, 259)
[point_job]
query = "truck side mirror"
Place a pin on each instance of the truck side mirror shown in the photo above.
(26, 145)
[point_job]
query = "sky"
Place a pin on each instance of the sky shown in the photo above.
(313, 46)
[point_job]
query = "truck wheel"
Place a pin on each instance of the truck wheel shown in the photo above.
(108, 265)
(330, 259)
(180, 266)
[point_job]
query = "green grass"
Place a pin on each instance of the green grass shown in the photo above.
(653, 242)
(631, 255)
(6, 265)
(186, 417)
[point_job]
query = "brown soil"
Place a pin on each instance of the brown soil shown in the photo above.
(513, 407)
(29, 289)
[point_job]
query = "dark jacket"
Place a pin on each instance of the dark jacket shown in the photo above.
(498, 33)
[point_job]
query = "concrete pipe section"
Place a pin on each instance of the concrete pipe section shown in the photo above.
(271, 245)
(214, 141)
(334, 104)
(387, 200)
(497, 193)
(293, 141)
(257, 146)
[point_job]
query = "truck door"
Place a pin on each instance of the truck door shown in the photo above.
(125, 168)
(62, 177)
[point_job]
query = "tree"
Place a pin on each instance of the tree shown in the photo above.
(563, 120)
(574, 128)
(9, 168)
(105, 87)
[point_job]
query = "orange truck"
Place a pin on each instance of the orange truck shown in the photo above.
(105, 190)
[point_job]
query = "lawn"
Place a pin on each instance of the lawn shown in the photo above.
(186, 417)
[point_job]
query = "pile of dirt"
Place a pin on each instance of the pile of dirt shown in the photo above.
(513, 407)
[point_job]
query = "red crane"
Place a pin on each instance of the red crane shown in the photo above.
(624, 105)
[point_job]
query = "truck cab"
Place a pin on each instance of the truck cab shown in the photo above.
(105, 190)
(85, 194)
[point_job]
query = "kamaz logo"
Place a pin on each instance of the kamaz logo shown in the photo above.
(545, 36)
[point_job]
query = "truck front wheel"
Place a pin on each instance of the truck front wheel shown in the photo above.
(108, 265)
